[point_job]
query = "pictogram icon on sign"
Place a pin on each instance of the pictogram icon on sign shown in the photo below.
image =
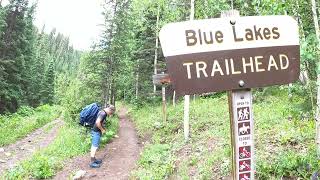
(244, 152)
(244, 128)
(245, 165)
(245, 176)
(243, 114)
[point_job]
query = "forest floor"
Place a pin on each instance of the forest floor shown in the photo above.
(119, 156)
(22, 149)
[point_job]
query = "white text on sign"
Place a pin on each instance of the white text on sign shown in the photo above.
(227, 67)
(194, 37)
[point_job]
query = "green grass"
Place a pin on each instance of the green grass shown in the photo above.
(26, 120)
(157, 160)
(71, 141)
(284, 148)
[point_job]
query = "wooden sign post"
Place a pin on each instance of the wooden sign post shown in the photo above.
(241, 125)
(162, 80)
(164, 102)
(234, 54)
(242, 128)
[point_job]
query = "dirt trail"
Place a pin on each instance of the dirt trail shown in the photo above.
(119, 157)
(23, 148)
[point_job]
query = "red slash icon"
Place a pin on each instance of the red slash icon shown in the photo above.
(244, 152)
(245, 176)
(244, 165)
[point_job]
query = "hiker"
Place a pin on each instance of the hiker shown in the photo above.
(96, 132)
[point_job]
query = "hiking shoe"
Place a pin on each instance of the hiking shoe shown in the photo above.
(94, 165)
(98, 161)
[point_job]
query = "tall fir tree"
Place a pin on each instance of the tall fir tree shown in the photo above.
(14, 44)
(48, 89)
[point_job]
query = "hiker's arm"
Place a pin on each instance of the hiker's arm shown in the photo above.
(99, 125)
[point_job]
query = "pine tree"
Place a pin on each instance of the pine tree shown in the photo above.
(11, 54)
(48, 84)
(30, 81)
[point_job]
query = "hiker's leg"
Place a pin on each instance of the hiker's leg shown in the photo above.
(96, 136)
(93, 152)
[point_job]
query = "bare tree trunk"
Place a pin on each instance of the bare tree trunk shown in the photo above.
(104, 95)
(304, 77)
(318, 117)
(174, 99)
(110, 92)
(124, 95)
(316, 25)
(109, 74)
(106, 100)
(164, 104)
(114, 97)
(192, 10)
(156, 49)
(205, 12)
(284, 9)
(113, 93)
(137, 81)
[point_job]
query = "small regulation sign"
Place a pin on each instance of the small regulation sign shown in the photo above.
(243, 125)
(215, 54)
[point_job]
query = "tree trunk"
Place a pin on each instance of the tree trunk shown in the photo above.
(164, 104)
(284, 9)
(174, 99)
(106, 100)
(316, 25)
(156, 49)
(124, 95)
(137, 82)
(114, 97)
(186, 126)
(109, 74)
(304, 77)
(205, 11)
(111, 93)
(192, 10)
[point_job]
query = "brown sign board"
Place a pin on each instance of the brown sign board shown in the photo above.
(161, 79)
(219, 71)
(214, 55)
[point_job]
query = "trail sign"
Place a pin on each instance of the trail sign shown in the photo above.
(232, 53)
(215, 54)
(161, 79)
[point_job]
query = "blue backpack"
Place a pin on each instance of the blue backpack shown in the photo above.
(88, 115)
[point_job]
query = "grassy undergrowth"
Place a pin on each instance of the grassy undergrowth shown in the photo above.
(21, 123)
(284, 141)
(72, 140)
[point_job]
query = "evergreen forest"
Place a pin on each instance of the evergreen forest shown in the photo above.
(45, 82)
